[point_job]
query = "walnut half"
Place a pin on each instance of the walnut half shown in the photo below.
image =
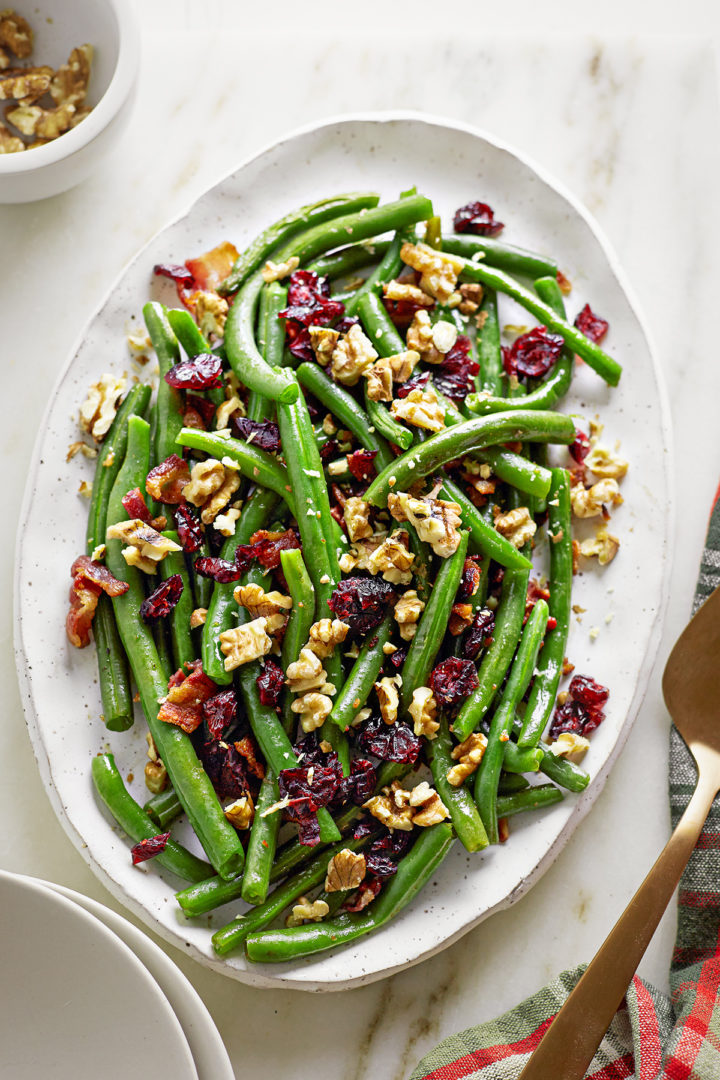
(345, 870)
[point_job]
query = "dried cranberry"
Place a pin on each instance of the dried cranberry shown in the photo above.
(304, 286)
(189, 529)
(149, 848)
(219, 570)
(477, 218)
(308, 305)
(583, 709)
(343, 325)
(162, 600)
(166, 481)
(588, 692)
(179, 274)
(219, 712)
(328, 450)
(402, 312)
(362, 602)
(203, 406)
(580, 447)
(226, 769)
(533, 354)
(266, 546)
(262, 433)
(298, 341)
(367, 892)
(360, 784)
(470, 579)
(361, 464)
(389, 742)
(591, 325)
(363, 828)
(398, 658)
(453, 377)
(309, 787)
(418, 381)
(479, 633)
(270, 683)
(453, 680)
(308, 751)
(200, 372)
(384, 853)
(136, 507)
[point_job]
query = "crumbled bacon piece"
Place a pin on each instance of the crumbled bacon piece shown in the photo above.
(183, 705)
(247, 749)
(89, 580)
(165, 482)
(470, 579)
(533, 354)
(535, 592)
(135, 506)
(591, 325)
(219, 712)
(452, 680)
(149, 848)
(477, 218)
(161, 602)
(99, 575)
(200, 372)
(210, 269)
(262, 433)
(189, 529)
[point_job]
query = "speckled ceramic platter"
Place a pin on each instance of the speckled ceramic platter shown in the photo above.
(624, 602)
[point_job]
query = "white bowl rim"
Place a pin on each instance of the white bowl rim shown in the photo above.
(109, 104)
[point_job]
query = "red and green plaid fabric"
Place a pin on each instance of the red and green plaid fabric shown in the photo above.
(652, 1037)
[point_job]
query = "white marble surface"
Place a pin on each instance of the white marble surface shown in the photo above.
(631, 126)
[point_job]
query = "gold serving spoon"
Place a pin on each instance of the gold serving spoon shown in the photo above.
(691, 688)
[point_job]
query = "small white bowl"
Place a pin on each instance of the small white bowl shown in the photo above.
(110, 26)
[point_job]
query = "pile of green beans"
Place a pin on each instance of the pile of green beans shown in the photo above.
(371, 673)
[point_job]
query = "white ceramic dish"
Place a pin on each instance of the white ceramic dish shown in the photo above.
(451, 163)
(76, 1001)
(110, 26)
(207, 1048)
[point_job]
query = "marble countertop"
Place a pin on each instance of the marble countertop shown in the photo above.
(631, 126)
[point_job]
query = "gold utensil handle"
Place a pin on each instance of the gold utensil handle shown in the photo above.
(573, 1037)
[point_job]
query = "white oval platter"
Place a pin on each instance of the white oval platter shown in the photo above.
(388, 153)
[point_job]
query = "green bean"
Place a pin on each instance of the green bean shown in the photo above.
(533, 798)
(202, 586)
(222, 608)
(511, 782)
(382, 420)
(187, 776)
(484, 537)
(257, 253)
(563, 772)
(346, 409)
(497, 659)
(183, 646)
(414, 870)
(445, 445)
(422, 566)
(277, 294)
(233, 935)
(256, 464)
(348, 259)
(363, 674)
(513, 260)
(302, 614)
(261, 845)
(516, 760)
(161, 638)
(463, 812)
(433, 234)
(378, 325)
(433, 624)
(516, 470)
(168, 402)
(607, 368)
(133, 820)
(490, 376)
(488, 773)
(163, 807)
(550, 664)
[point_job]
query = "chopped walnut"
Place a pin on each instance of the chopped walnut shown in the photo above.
(570, 745)
(472, 295)
(393, 559)
(206, 478)
(439, 271)
(210, 312)
(25, 85)
(156, 777)
(588, 502)
(245, 643)
(272, 271)
(9, 143)
(241, 812)
(16, 33)
(221, 497)
(304, 911)
(423, 710)
(98, 410)
(431, 807)
(380, 380)
(419, 338)
(388, 697)
(70, 81)
(45, 123)
(323, 341)
(468, 755)
(444, 336)
(198, 617)
(146, 547)
(517, 526)
(226, 523)
(325, 634)
(436, 520)
(421, 408)
(389, 813)
(404, 290)
(402, 364)
(80, 448)
(352, 356)
(314, 709)
(345, 871)
(257, 602)
(306, 673)
(602, 545)
(356, 513)
(605, 463)
(85, 488)
(227, 409)
(407, 611)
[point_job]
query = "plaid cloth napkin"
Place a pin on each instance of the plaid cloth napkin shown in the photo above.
(652, 1036)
